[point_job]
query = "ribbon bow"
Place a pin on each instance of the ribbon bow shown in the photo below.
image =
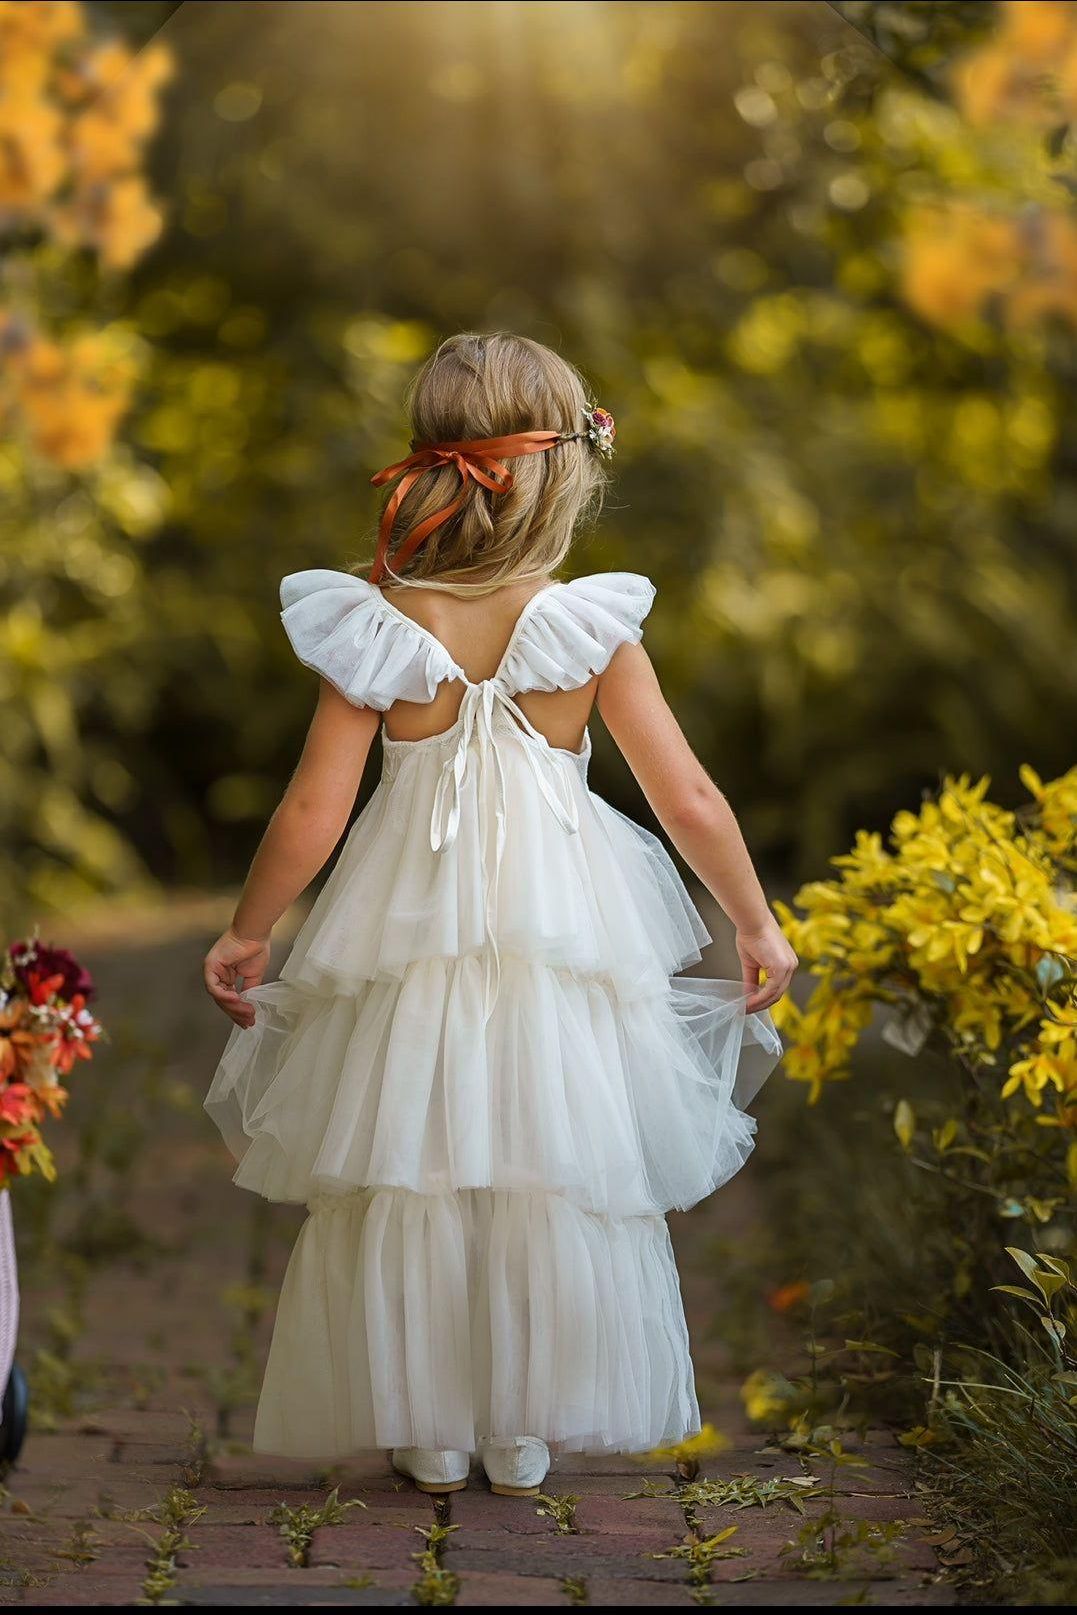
(477, 460)
(478, 745)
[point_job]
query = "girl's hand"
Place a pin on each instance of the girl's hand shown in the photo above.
(765, 950)
(233, 964)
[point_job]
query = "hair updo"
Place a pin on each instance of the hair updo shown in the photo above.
(490, 386)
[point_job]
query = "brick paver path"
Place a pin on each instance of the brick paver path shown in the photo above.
(148, 1398)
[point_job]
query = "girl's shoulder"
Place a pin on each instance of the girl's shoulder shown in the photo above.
(345, 629)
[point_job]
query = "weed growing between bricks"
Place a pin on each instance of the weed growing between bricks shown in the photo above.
(828, 1546)
(177, 1510)
(298, 1525)
(561, 1510)
(83, 1544)
(436, 1584)
(832, 1546)
(700, 1555)
(198, 1452)
(739, 1491)
(575, 1589)
(699, 1552)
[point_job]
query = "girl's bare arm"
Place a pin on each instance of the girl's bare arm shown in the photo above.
(302, 833)
(695, 815)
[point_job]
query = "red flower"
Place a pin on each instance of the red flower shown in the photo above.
(18, 1104)
(40, 988)
(48, 963)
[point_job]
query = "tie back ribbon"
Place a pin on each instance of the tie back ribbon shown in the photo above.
(480, 460)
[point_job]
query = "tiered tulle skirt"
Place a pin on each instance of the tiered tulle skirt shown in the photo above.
(477, 1073)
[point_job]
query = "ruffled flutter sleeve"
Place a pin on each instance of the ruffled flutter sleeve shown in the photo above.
(341, 626)
(572, 630)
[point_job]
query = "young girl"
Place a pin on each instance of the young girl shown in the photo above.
(475, 1068)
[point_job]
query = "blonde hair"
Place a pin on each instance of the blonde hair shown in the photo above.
(489, 386)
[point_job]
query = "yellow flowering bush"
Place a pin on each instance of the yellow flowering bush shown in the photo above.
(1008, 245)
(75, 115)
(964, 927)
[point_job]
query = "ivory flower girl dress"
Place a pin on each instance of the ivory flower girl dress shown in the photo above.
(477, 1073)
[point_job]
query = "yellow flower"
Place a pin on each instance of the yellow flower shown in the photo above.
(766, 1396)
(1057, 805)
(969, 915)
(1035, 1074)
(979, 1019)
(706, 1443)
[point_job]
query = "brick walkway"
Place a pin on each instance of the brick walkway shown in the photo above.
(147, 1381)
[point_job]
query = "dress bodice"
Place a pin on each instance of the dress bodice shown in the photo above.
(346, 630)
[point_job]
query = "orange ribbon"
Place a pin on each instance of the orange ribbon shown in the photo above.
(479, 460)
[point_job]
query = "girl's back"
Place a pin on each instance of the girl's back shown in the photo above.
(477, 631)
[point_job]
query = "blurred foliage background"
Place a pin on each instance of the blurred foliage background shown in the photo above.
(821, 261)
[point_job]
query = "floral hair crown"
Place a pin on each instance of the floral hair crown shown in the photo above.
(601, 429)
(479, 460)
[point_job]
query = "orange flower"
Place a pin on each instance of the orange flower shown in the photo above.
(38, 25)
(32, 159)
(1016, 74)
(1039, 29)
(72, 398)
(101, 148)
(121, 110)
(788, 1296)
(955, 259)
(127, 223)
(52, 1098)
(17, 1041)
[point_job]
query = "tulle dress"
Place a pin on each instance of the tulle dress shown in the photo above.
(480, 1072)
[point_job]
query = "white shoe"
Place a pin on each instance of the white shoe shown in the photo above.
(433, 1471)
(516, 1467)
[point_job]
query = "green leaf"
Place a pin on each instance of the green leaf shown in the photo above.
(1056, 1265)
(1014, 1289)
(945, 1135)
(1027, 1264)
(904, 1122)
(1050, 1283)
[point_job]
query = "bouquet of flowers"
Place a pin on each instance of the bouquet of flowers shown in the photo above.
(45, 1026)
